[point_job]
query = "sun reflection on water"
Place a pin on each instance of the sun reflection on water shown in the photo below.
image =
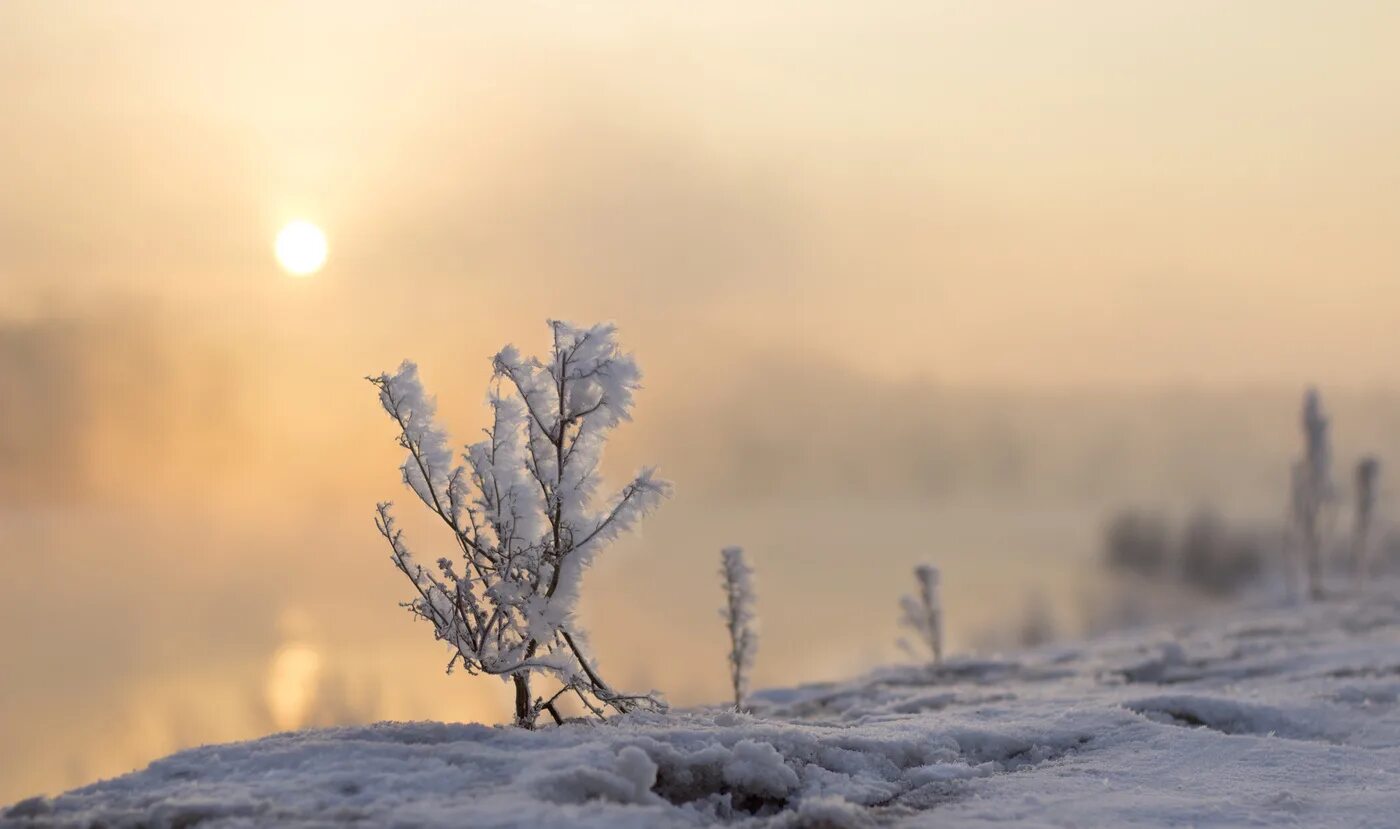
(291, 684)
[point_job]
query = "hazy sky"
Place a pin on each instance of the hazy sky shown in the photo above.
(907, 280)
(1123, 192)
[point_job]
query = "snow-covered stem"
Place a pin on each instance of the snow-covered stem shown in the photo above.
(922, 613)
(523, 511)
(1368, 471)
(1312, 488)
(739, 620)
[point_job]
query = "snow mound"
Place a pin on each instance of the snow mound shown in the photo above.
(1227, 716)
(1273, 716)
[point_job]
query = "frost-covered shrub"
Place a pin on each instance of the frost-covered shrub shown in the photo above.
(1216, 558)
(922, 613)
(1312, 488)
(1137, 542)
(524, 514)
(1206, 553)
(739, 619)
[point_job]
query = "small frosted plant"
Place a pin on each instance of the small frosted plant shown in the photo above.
(1312, 488)
(922, 613)
(1368, 472)
(739, 620)
(523, 513)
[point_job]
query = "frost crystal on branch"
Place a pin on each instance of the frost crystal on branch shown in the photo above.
(739, 620)
(923, 613)
(524, 513)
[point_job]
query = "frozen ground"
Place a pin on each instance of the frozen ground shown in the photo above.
(1269, 716)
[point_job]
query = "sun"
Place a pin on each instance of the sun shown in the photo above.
(301, 248)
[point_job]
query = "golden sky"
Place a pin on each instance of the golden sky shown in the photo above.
(983, 193)
(982, 253)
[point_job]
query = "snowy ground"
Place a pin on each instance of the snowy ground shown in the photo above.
(1271, 716)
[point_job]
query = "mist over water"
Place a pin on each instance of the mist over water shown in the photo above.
(164, 590)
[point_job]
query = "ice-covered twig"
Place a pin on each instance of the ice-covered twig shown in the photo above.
(739, 620)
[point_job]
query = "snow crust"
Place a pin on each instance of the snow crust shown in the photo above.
(1282, 715)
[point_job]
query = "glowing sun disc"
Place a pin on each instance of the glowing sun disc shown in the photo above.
(301, 248)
